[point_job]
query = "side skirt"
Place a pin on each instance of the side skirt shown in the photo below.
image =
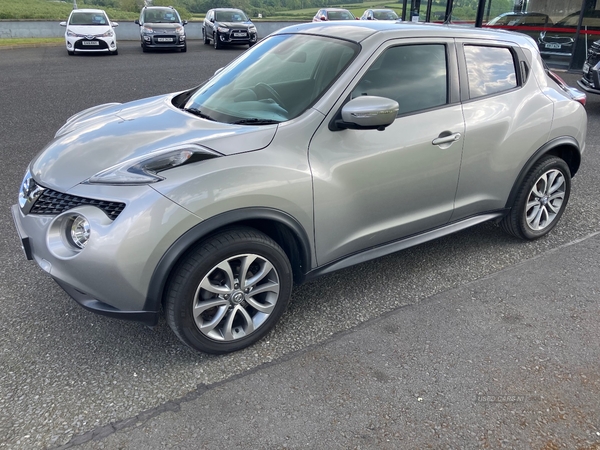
(411, 241)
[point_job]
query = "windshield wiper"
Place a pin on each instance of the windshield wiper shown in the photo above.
(197, 112)
(255, 121)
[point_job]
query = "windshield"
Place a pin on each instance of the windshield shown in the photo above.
(385, 15)
(230, 16)
(275, 81)
(166, 15)
(88, 19)
(340, 15)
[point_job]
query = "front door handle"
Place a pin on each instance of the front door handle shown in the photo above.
(445, 138)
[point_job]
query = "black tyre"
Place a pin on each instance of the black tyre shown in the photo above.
(184, 49)
(71, 53)
(229, 291)
(216, 42)
(144, 48)
(541, 200)
(205, 37)
(116, 52)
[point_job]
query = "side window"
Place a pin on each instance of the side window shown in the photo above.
(416, 76)
(490, 70)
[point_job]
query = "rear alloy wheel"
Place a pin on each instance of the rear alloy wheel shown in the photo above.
(229, 291)
(541, 200)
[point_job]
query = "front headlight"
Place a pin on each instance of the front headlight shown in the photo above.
(29, 193)
(145, 169)
(179, 30)
(109, 33)
(146, 29)
(71, 34)
(223, 30)
(252, 28)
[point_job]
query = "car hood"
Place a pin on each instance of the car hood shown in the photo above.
(236, 24)
(89, 30)
(106, 135)
(163, 26)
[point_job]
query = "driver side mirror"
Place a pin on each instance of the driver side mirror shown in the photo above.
(136, 21)
(367, 113)
(63, 24)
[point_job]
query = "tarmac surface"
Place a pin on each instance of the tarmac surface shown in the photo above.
(474, 340)
(507, 361)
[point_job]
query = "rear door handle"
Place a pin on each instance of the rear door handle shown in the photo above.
(447, 139)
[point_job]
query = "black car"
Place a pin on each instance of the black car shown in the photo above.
(228, 26)
(161, 27)
(559, 39)
(521, 19)
(590, 82)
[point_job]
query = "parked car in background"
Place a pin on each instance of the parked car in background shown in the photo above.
(228, 26)
(520, 19)
(325, 14)
(380, 14)
(161, 27)
(559, 38)
(89, 30)
(319, 148)
(590, 82)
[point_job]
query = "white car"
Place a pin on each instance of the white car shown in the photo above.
(89, 30)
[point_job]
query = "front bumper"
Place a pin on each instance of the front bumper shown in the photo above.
(233, 39)
(111, 275)
(590, 82)
(156, 41)
(95, 45)
(149, 318)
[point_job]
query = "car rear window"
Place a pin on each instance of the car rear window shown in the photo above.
(491, 70)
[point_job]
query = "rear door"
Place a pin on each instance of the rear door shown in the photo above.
(507, 119)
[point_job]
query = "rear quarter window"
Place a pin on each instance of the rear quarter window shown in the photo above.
(490, 70)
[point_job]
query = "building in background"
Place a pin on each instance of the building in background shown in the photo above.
(563, 29)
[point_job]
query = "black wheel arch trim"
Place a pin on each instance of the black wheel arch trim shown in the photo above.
(556, 147)
(244, 217)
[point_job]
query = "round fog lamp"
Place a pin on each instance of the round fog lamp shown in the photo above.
(80, 231)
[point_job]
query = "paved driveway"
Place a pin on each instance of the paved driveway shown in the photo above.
(66, 374)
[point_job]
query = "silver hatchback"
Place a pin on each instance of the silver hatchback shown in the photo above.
(323, 146)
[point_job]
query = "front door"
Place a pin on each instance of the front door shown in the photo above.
(372, 187)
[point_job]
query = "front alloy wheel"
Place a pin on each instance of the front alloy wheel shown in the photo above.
(541, 200)
(229, 292)
(216, 41)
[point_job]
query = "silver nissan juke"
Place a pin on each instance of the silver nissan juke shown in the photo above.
(323, 146)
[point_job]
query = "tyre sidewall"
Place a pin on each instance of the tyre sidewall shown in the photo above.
(546, 164)
(195, 267)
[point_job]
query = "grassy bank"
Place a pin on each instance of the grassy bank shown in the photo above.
(31, 42)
